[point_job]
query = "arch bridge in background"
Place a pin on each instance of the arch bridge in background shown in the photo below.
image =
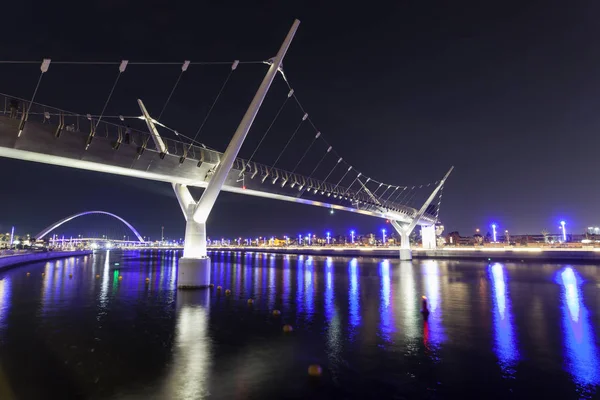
(69, 218)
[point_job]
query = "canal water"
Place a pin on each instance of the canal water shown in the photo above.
(74, 329)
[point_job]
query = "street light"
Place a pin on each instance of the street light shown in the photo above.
(494, 232)
(309, 238)
(383, 234)
(328, 235)
(352, 236)
(507, 236)
(564, 230)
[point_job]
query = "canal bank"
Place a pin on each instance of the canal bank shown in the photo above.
(13, 260)
(469, 253)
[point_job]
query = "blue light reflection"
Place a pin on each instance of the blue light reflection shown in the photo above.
(580, 352)
(386, 322)
(354, 293)
(506, 346)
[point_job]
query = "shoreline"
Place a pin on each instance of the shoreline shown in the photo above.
(470, 253)
(15, 260)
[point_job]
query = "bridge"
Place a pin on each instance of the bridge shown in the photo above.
(40, 133)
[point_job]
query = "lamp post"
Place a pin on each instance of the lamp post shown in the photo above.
(299, 240)
(383, 235)
(352, 236)
(494, 232)
(309, 237)
(328, 237)
(507, 236)
(564, 230)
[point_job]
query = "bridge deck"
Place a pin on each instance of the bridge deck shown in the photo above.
(117, 150)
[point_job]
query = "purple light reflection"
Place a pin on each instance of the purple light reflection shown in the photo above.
(506, 346)
(386, 322)
(354, 293)
(329, 294)
(580, 352)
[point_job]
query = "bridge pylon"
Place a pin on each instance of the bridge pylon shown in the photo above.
(427, 231)
(194, 266)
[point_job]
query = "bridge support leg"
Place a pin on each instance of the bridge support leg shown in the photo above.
(404, 232)
(194, 267)
(428, 236)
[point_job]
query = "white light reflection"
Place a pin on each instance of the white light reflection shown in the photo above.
(105, 278)
(410, 298)
(272, 287)
(354, 294)
(189, 374)
(506, 347)
(580, 351)
(386, 325)
(435, 330)
(5, 289)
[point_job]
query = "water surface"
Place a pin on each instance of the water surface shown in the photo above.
(73, 329)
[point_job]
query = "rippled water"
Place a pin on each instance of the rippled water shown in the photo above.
(495, 330)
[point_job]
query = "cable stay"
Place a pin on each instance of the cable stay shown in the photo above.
(314, 170)
(43, 68)
(184, 68)
(328, 175)
(302, 158)
(284, 148)
(340, 181)
(233, 68)
(375, 200)
(291, 92)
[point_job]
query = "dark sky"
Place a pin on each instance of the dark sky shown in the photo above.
(507, 92)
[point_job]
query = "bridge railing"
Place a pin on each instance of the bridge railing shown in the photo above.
(122, 133)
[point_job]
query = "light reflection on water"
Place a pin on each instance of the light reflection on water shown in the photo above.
(190, 373)
(354, 294)
(506, 346)
(329, 290)
(387, 325)
(434, 334)
(580, 351)
(349, 315)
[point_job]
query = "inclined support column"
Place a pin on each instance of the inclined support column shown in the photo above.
(194, 266)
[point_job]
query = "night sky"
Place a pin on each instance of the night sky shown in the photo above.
(507, 92)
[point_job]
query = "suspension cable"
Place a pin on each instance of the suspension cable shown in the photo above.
(330, 172)
(184, 68)
(289, 140)
(342, 178)
(353, 182)
(122, 68)
(233, 67)
(306, 151)
(43, 69)
(268, 129)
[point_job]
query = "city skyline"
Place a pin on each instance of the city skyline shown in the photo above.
(488, 113)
